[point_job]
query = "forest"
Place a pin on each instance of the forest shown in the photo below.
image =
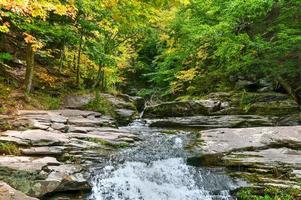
(193, 69)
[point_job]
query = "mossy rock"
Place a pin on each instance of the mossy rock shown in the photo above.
(175, 109)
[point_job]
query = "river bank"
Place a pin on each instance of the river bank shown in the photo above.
(50, 154)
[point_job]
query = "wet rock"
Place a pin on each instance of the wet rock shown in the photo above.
(139, 102)
(39, 176)
(290, 120)
(220, 121)
(61, 179)
(9, 193)
(125, 116)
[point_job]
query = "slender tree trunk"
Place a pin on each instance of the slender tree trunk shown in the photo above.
(98, 77)
(78, 60)
(74, 61)
(62, 57)
(29, 68)
(103, 84)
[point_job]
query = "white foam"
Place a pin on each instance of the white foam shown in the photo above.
(168, 179)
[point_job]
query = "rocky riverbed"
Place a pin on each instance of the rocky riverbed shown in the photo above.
(51, 150)
(47, 153)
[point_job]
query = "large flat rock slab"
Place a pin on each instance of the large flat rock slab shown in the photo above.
(225, 140)
(181, 108)
(219, 121)
(34, 137)
(25, 163)
(272, 157)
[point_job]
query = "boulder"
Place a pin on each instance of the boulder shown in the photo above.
(9, 193)
(178, 109)
(39, 176)
(77, 101)
(62, 178)
(125, 116)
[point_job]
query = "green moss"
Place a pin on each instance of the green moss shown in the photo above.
(101, 104)
(169, 132)
(45, 101)
(269, 193)
(7, 148)
(108, 143)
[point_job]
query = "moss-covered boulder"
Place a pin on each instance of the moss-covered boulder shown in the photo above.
(181, 109)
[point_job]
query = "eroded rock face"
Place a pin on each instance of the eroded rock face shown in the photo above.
(39, 176)
(214, 121)
(269, 155)
(124, 107)
(74, 137)
(9, 193)
(227, 140)
(180, 109)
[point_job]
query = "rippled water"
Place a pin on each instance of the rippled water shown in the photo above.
(156, 170)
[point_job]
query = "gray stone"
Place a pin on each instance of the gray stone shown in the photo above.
(228, 140)
(9, 193)
(220, 121)
(77, 101)
(34, 137)
(269, 157)
(61, 179)
(175, 109)
(26, 163)
(45, 150)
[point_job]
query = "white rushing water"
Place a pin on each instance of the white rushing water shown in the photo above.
(169, 179)
(143, 175)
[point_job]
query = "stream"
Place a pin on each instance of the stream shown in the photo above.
(156, 169)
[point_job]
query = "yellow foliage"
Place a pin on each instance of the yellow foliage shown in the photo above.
(45, 77)
(182, 78)
(187, 75)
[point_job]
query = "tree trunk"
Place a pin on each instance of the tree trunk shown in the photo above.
(29, 68)
(99, 76)
(74, 61)
(78, 60)
(62, 58)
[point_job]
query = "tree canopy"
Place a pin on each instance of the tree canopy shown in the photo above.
(168, 48)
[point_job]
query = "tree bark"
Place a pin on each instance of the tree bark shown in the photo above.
(29, 68)
(78, 60)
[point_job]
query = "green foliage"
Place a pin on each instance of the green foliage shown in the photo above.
(269, 193)
(100, 104)
(5, 57)
(9, 149)
(108, 143)
(45, 101)
(209, 41)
